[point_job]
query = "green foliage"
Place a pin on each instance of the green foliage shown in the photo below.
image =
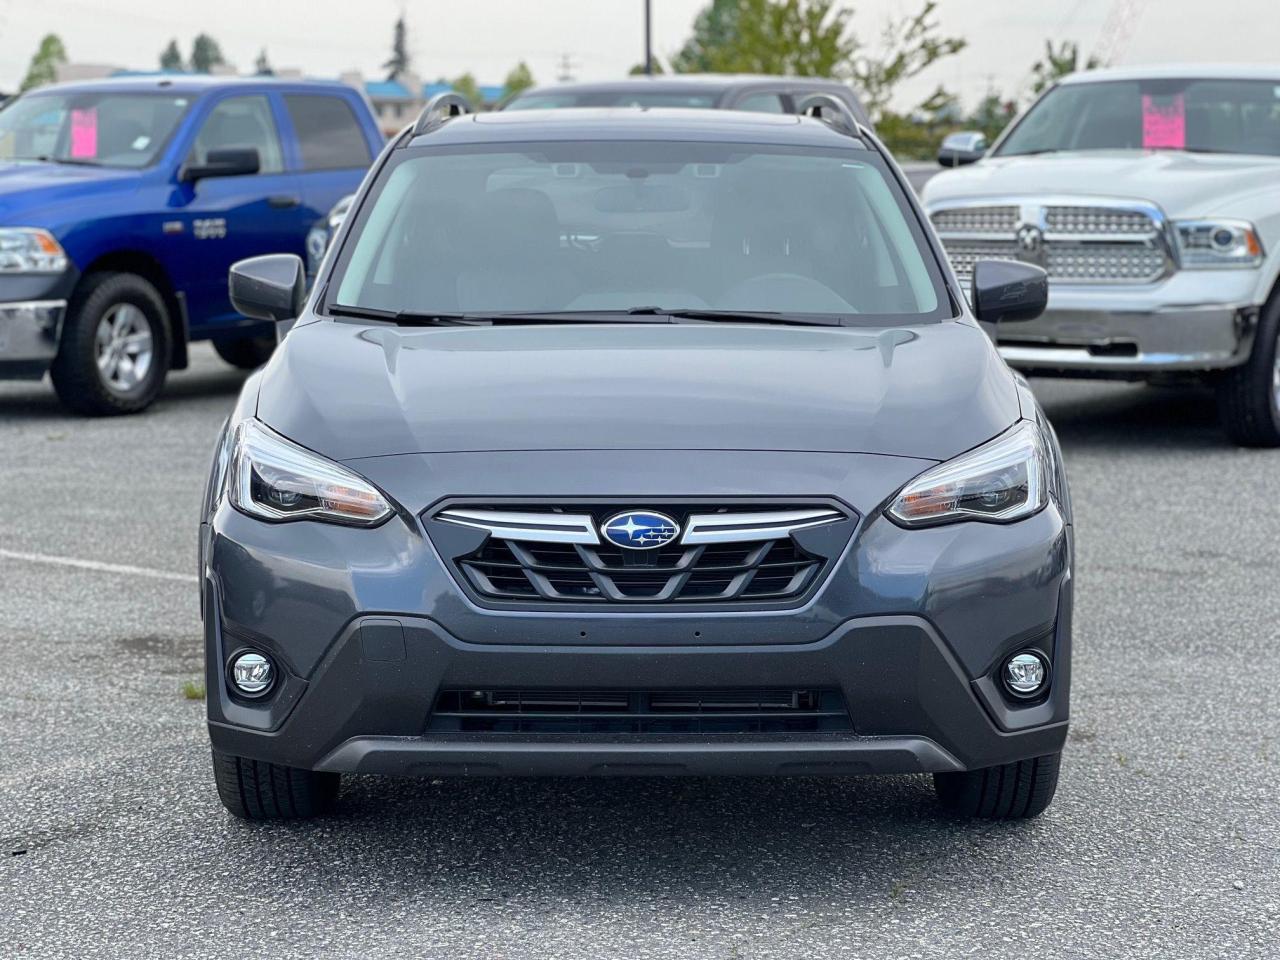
(909, 45)
(192, 690)
(520, 78)
(638, 69)
(44, 65)
(171, 57)
(262, 66)
(400, 60)
(799, 37)
(713, 30)
(206, 54)
(1058, 62)
(467, 86)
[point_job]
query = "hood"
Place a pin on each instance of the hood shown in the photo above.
(36, 187)
(1182, 184)
(350, 390)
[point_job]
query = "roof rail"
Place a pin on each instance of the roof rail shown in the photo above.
(834, 111)
(439, 109)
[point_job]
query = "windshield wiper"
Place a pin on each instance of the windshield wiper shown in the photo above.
(411, 318)
(738, 316)
(70, 161)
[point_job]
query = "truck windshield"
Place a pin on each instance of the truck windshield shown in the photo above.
(100, 129)
(609, 227)
(1211, 116)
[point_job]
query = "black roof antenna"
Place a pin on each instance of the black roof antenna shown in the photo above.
(834, 111)
(439, 109)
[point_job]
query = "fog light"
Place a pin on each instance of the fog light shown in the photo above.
(252, 673)
(1026, 673)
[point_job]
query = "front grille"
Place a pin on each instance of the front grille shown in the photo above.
(1078, 243)
(510, 565)
(640, 712)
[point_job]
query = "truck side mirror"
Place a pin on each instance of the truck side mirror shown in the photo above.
(959, 149)
(273, 287)
(1009, 291)
(231, 162)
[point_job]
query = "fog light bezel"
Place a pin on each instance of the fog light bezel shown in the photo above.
(1039, 692)
(239, 691)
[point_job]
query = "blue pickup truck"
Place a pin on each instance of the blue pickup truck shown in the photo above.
(123, 203)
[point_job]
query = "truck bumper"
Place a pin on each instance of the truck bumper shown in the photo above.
(29, 333)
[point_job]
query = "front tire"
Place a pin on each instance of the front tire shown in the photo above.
(1249, 395)
(245, 353)
(257, 790)
(1011, 791)
(114, 352)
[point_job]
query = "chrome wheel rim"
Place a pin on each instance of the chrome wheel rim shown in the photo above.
(124, 348)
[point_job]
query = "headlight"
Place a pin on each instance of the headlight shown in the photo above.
(1002, 480)
(274, 479)
(28, 250)
(1219, 243)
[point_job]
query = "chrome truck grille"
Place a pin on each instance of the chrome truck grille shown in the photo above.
(1086, 242)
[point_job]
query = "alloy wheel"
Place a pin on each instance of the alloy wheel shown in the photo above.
(124, 348)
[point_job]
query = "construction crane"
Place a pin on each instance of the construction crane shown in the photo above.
(1117, 31)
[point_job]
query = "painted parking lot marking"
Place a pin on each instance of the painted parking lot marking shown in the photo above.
(97, 566)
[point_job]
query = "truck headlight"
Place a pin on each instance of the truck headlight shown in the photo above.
(272, 478)
(1219, 243)
(1003, 480)
(30, 250)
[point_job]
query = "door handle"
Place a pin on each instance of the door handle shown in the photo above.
(283, 201)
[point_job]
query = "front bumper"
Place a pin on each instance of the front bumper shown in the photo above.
(1195, 321)
(32, 310)
(910, 627)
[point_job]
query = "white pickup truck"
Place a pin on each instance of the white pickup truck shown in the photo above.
(1152, 197)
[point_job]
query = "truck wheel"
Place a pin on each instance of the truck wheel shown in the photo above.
(257, 790)
(114, 352)
(247, 353)
(1249, 395)
(1011, 791)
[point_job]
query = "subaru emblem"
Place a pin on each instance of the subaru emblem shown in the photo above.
(640, 530)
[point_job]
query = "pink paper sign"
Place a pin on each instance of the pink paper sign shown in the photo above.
(1164, 122)
(84, 133)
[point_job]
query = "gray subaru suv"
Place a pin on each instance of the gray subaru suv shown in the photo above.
(636, 442)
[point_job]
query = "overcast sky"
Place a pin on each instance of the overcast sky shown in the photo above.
(602, 38)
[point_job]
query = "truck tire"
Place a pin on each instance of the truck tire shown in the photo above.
(1011, 791)
(115, 347)
(1249, 395)
(246, 353)
(257, 790)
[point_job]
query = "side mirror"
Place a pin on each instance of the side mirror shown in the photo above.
(231, 162)
(959, 149)
(273, 287)
(1009, 291)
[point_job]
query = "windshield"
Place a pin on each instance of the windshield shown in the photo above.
(102, 129)
(620, 226)
(1218, 116)
(552, 100)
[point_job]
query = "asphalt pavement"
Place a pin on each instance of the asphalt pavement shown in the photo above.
(1164, 840)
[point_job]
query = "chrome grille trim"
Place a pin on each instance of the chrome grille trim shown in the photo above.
(1093, 240)
(534, 527)
(748, 527)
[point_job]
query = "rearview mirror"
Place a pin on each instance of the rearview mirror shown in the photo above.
(231, 162)
(959, 149)
(273, 287)
(1005, 290)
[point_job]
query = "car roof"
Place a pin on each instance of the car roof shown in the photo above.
(711, 82)
(185, 83)
(1178, 71)
(638, 123)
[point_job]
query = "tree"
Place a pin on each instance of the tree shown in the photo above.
(171, 57)
(520, 78)
(262, 66)
(44, 65)
(1058, 63)
(909, 45)
(713, 30)
(639, 71)
(992, 115)
(467, 86)
(206, 54)
(400, 61)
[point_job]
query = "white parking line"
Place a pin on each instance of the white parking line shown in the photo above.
(98, 567)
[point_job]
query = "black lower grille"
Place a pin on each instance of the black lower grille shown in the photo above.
(651, 712)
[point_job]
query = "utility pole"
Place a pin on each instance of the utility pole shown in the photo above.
(648, 38)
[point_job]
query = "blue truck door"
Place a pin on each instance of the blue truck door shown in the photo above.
(333, 149)
(219, 220)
